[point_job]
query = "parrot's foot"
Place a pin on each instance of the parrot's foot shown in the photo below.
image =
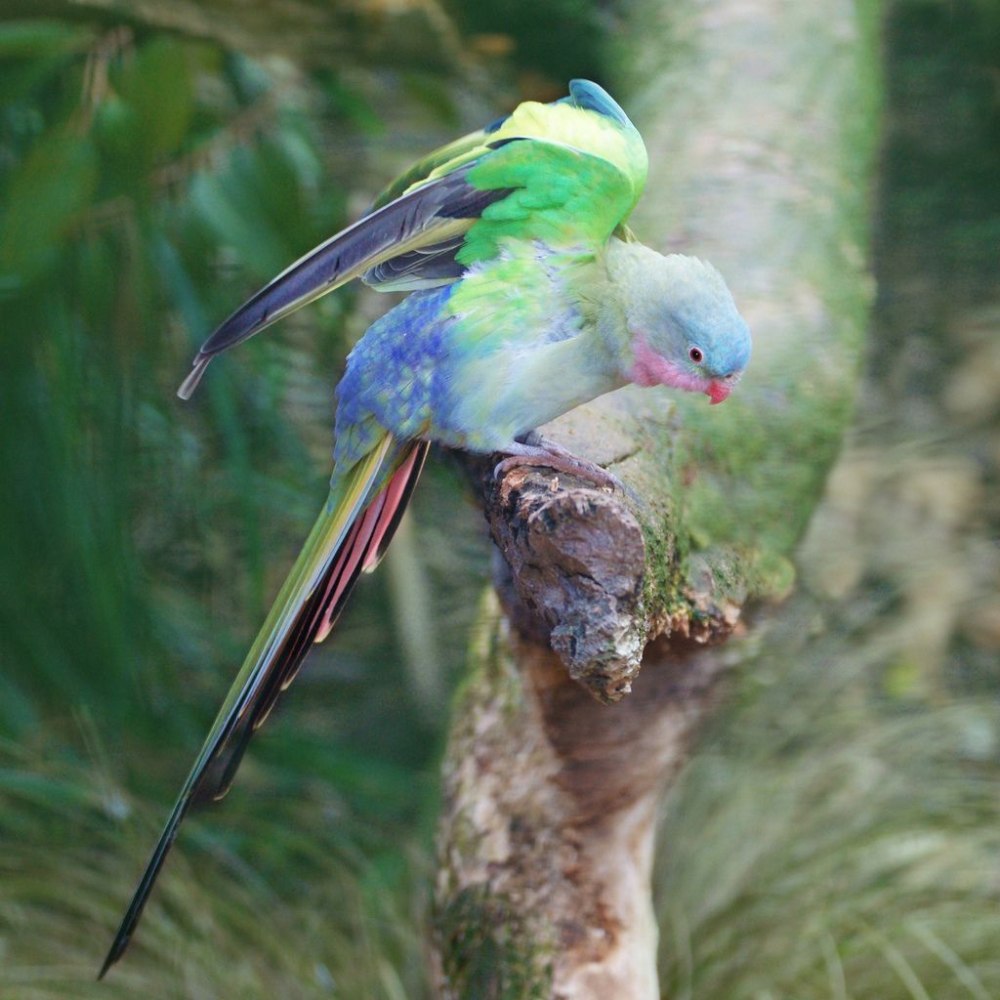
(536, 450)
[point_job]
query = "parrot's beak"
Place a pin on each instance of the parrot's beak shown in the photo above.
(718, 391)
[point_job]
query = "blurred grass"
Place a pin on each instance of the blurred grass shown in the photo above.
(824, 843)
(325, 934)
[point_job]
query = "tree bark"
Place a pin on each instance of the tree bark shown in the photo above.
(758, 116)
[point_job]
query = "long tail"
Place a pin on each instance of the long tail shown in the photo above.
(349, 537)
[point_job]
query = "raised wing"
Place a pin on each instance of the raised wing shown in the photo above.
(434, 213)
(566, 174)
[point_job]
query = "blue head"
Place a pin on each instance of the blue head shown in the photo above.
(684, 326)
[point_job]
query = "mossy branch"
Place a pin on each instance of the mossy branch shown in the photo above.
(760, 154)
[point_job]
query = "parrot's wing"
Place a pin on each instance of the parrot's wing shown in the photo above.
(349, 537)
(566, 174)
(434, 213)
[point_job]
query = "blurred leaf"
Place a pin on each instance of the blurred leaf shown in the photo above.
(554, 41)
(41, 39)
(45, 196)
(158, 87)
(116, 131)
(255, 205)
(33, 51)
(349, 102)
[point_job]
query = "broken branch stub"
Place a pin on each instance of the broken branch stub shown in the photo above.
(572, 576)
(572, 573)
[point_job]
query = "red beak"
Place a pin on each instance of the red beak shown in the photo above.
(718, 391)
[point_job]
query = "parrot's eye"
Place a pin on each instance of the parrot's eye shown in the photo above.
(696, 355)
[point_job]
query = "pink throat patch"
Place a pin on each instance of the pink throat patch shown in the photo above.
(650, 368)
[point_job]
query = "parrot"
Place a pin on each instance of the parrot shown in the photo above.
(529, 295)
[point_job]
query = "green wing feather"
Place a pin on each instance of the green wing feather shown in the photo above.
(589, 121)
(571, 173)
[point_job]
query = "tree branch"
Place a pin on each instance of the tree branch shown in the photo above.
(574, 562)
(549, 809)
(759, 127)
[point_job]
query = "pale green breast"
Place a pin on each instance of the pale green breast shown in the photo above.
(524, 349)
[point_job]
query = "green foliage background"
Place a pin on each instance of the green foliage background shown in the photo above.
(149, 180)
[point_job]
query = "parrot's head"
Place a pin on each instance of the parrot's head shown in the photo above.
(683, 325)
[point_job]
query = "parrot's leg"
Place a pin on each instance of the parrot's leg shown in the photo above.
(534, 449)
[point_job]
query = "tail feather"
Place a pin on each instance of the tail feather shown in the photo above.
(375, 532)
(397, 494)
(349, 536)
